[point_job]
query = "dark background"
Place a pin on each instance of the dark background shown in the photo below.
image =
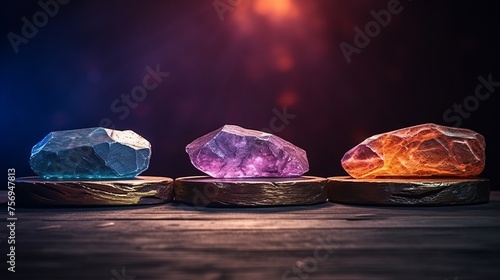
(263, 55)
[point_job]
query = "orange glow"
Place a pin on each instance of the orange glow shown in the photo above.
(279, 36)
(282, 58)
(418, 151)
(275, 8)
(288, 98)
(249, 14)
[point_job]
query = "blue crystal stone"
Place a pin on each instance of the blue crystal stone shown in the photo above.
(91, 153)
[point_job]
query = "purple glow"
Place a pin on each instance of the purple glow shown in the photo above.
(235, 152)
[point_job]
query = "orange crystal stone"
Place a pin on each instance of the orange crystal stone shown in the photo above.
(423, 150)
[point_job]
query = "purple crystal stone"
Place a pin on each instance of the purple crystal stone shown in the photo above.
(235, 152)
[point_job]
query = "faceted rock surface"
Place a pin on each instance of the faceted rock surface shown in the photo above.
(235, 152)
(91, 153)
(421, 150)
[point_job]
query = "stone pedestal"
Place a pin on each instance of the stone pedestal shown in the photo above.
(211, 192)
(136, 191)
(408, 191)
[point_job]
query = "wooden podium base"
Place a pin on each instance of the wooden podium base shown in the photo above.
(32, 191)
(212, 192)
(408, 191)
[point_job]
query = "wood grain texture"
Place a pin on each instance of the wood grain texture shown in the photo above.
(408, 191)
(322, 241)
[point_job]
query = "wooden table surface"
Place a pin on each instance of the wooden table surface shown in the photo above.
(325, 241)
